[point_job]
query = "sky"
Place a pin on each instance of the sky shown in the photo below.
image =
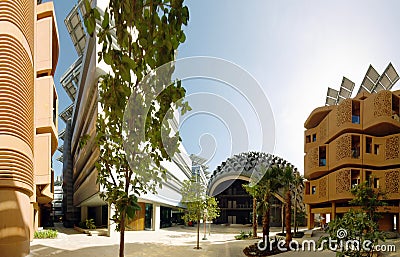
(294, 50)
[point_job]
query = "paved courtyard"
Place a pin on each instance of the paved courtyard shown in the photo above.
(175, 241)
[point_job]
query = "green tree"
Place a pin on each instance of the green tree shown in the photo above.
(194, 198)
(298, 181)
(211, 209)
(358, 226)
(266, 187)
(136, 37)
(286, 176)
(368, 198)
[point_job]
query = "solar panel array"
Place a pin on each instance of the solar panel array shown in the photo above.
(372, 83)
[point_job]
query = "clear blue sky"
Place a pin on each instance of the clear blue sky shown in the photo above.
(294, 49)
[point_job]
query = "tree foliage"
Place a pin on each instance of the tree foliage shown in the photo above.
(198, 204)
(357, 229)
(133, 132)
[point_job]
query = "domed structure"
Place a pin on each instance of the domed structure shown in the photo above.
(236, 204)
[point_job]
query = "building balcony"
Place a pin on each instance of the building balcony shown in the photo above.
(336, 186)
(46, 56)
(46, 109)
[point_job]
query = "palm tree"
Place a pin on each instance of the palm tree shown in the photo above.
(287, 178)
(297, 182)
(253, 191)
(267, 186)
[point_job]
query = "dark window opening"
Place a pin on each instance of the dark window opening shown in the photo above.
(313, 190)
(376, 182)
(368, 147)
(314, 137)
(395, 108)
(355, 178)
(355, 112)
(322, 156)
(368, 175)
(355, 147)
(376, 149)
(308, 139)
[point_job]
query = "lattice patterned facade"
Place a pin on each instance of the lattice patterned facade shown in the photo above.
(347, 144)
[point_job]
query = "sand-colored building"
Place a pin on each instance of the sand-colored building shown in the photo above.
(28, 120)
(354, 140)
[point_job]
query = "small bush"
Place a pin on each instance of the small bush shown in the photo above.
(47, 233)
(243, 235)
(90, 224)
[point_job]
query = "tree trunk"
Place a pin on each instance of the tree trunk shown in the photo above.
(198, 234)
(283, 217)
(295, 212)
(288, 218)
(254, 217)
(122, 236)
(266, 226)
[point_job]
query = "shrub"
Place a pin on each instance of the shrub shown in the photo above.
(243, 235)
(46, 233)
(90, 224)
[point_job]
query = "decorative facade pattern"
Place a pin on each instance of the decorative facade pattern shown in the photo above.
(343, 147)
(383, 104)
(392, 179)
(323, 130)
(392, 148)
(312, 158)
(343, 181)
(343, 114)
(323, 187)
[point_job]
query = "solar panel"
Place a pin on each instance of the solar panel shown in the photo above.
(391, 76)
(372, 74)
(346, 88)
(74, 26)
(61, 134)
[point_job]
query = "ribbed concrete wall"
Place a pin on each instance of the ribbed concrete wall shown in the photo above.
(16, 124)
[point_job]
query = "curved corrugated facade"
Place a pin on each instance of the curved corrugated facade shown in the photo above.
(17, 92)
(20, 13)
(17, 130)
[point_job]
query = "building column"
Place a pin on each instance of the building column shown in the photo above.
(84, 213)
(156, 216)
(323, 219)
(333, 211)
(310, 217)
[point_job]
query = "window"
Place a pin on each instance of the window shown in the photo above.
(355, 147)
(376, 182)
(368, 175)
(368, 147)
(308, 139)
(313, 190)
(355, 178)
(355, 112)
(376, 149)
(322, 156)
(307, 188)
(314, 137)
(395, 108)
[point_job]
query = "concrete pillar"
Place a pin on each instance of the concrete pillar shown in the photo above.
(156, 216)
(111, 224)
(84, 213)
(323, 219)
(333, 211)
(310, 217)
